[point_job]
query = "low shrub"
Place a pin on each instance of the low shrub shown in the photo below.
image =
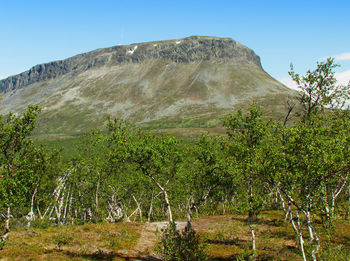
(178, 245)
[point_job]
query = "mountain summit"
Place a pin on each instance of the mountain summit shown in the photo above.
(189, 82)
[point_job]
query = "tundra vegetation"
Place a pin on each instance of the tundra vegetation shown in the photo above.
(298, 166)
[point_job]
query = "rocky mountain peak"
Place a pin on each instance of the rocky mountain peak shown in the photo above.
(185, 50)
(183, 83)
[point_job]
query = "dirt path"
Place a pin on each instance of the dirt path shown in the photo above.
(148, 236)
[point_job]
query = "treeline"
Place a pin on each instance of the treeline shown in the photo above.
(300, 165)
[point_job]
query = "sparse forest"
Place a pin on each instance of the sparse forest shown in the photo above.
(297, 166)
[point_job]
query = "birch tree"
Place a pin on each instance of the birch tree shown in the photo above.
(311, 164)
(157, 157)
(14, 132)
(206, 171)
(248, 133)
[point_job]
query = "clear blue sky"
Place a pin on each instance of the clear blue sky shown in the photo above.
(280, 32)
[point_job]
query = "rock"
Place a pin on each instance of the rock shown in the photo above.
(187, 50)
(176, 84)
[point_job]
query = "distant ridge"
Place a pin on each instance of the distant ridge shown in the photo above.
(192, 49)
(188, 82)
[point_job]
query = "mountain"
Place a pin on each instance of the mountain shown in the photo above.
(190, 82)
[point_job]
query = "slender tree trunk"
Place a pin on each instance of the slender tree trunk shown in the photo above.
(38, 210)
(125, 212)
(250, 216)
(328, 213)
(6, 233)
(250, 213)
(138, 207)
(332, 210)
(250, 223)
(47, 211)
(223, 204)
(316, 248)
(150, 210)
(66, 206)
(31, 215)
(153, 197)
(70, 208)
(335, 194)
(275, 201)
(197, 211)
(283, 204)
(32, 200)
(140, 213)
(97, 190)
(194, 205)
(291, 220)
(189, 207)
(300, 237)
(313, 235)
(309, 226)
(189, 216)
(348, 212)
(166, 198)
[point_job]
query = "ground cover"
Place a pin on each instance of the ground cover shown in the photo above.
(227, 237)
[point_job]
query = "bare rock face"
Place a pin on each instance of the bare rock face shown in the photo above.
(188, 82)
(191, 49)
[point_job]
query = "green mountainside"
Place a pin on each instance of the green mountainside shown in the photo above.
(183, 83)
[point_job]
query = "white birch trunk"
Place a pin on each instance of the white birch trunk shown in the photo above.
(166, 198)
(38, 210)
(253, 237)
(153, 197)
(313, 236)
(309, 226)
(97, 190)
(31, 216)
(6, 233)
(290, 215)
(171, 220)
(66, 206)
(138, 207)
(300, 237)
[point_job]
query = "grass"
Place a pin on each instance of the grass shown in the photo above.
(90, 241)
(227, 237)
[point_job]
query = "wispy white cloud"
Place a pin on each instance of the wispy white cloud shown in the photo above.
(343, 78)
(287, 81)
(342, 57)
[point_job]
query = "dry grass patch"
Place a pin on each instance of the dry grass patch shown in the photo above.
(226, 237)
(89, 241)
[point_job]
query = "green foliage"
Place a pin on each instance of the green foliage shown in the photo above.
(335, 253)
(13, 138)
(315, 151)
(155, 157)
(319, 89)
(180, 245)
(62, 240)
(15, 147)
(14, 131)
(249, 135)
(42, 223)
(131, 174)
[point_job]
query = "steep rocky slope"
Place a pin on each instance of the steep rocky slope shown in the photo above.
(188, 82)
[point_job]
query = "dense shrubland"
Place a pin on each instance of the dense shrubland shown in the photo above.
(299, 165)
